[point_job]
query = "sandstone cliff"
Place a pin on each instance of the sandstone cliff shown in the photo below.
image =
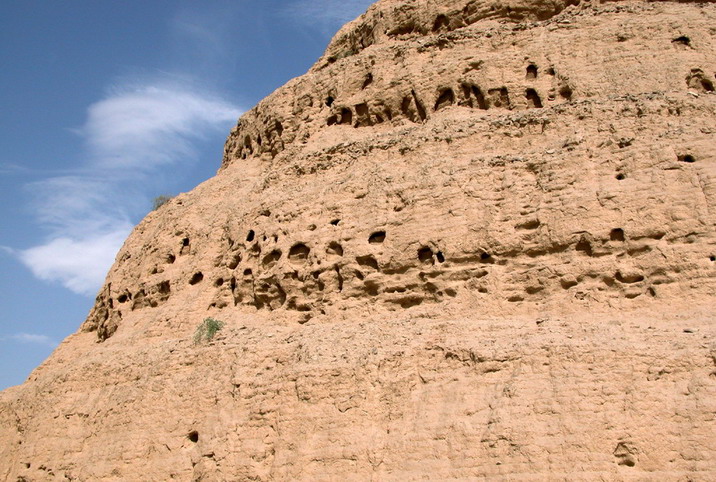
(476, 239)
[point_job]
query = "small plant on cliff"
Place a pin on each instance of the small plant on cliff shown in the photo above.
(160, 201)
(207, 329)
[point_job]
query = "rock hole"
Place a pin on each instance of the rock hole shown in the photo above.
(122, 298)
(346, 116)
(533, 99)
(250, 237)
(258, 140)
(170, 258)
(193, 436)
(339, 277)
(652, 292)
(335, 248)
(696, 80)
(377, 237)
(368, 80)
(551, 71)
(565, 92)
(335, 222)
(686, 158)
(499, 98)
(421, 109)
(196, 278)
(219, 282)
(446, 98)
(712, 258)
(332, 120)
(486, 258)
(409, 302)
(234, 261)
(279, 128)
(369, 261)
(584, 246)
(248, 272)
(620, 176)
(299, 252)
(363, 116)
(441, 258)
(531, 72)
(682, 41)
(616, 234)
(272, 258)
(479, 98)
(329, 101)
(451, 292)
(441, 22)
(628, 278)
(164, 288)
(425, 255)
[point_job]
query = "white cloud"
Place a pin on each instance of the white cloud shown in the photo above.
(129, 135)
(31, 338)
(80, 264)
(328, 15)
(147, 126)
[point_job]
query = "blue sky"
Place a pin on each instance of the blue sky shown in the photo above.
(106, 105)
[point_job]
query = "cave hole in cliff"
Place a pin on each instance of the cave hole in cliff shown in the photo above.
(377, 237)
(479, 98)
(122, 298)
(486, 258)
(425, 255)
(686, 158)
(196, 278)
(279, 128)
(272, 258)
(533, 99)
(712, 258)
(620, 176)
(445, 98)
(335, 248)
(368, 80)
(259, 141)
(193, 436)
(346, 116)
(363, 115)
(247, 145)
(441, 23)
(335, 222)
(170, 258)
(531, 72)
(565, 92)
(440, 257)
(616, 234)
(248, 272)
(250, 236)
(332, 120)
(368, 261)
(329, 101)
(219, 282)
(683, 41)
(500, 98)
(298, 252)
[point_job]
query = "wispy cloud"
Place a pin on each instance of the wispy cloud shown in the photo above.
(30, 338)
(327, 15)
(129, 135)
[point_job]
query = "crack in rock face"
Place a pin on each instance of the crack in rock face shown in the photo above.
(475, 240)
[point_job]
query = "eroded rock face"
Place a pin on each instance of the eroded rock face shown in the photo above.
(475, 239)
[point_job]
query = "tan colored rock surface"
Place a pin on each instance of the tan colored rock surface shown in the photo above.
(476, 239)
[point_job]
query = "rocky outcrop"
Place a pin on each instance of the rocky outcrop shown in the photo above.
(476, 239)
